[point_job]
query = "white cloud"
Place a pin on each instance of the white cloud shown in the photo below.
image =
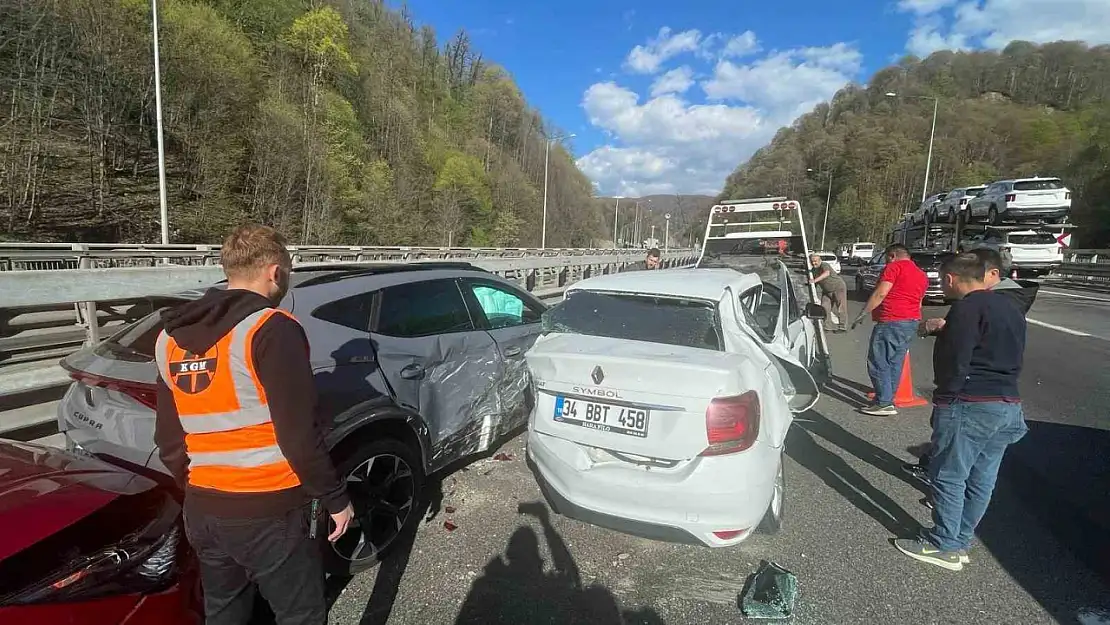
(941, 24)
(647, 59)
(787, 83)
(675, 81)
(668, 143)
(741, 45)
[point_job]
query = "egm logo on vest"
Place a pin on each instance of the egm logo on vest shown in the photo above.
(192, 373)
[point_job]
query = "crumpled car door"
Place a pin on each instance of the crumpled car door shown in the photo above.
(450, 381)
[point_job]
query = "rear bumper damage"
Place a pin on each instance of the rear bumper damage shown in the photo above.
(686, 504)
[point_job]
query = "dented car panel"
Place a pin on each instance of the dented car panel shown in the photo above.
(460, 389)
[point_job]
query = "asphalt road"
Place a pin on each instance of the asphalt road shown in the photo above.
(1038, 558)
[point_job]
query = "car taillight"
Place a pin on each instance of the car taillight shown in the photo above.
(145, 394)
(963, 201)
(1067, 195)
(1010, 197)
(732, 424)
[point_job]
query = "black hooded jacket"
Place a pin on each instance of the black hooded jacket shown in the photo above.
(280, 356)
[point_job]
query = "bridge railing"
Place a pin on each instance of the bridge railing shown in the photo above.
(1088, 267)
(47, 314)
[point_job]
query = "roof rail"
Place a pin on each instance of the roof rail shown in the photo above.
(343, 271)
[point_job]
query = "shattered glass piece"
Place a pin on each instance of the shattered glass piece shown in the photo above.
(449, 509)
(503, 457)
(769, 593)
(450, 526)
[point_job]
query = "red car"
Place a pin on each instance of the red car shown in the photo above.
(87, 543)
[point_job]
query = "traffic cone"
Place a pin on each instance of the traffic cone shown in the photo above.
(905, 396)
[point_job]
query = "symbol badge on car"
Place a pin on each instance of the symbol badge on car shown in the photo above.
(598, 375)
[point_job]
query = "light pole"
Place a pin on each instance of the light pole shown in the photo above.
(616, 212)
(546, 160)
(828, 200)
(932, 133)
(164, 211)
(667, 234)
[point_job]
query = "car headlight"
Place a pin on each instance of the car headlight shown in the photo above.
(75, 564)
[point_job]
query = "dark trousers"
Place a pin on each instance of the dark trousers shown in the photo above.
(274, 553)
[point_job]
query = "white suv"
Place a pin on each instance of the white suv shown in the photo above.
(1022, 198)
(1024, 250)
(954, 202)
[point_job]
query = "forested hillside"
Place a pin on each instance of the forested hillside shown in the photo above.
(1026, 110)
(339, 122)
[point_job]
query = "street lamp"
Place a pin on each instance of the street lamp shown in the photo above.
(667, 234)
(932, 133)
(828, 200)
(164, 211)
(616, 210)
(546, 159)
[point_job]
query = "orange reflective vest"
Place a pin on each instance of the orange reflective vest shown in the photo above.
(229, 436)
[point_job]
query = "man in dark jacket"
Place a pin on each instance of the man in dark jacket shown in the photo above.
(236, 427)
(1022, 292)
(977, 410)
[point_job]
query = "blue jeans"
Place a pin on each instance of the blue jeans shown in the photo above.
(889, 343)
(969, 440)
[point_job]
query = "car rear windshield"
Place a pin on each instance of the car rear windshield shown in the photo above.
(670, 321)
(973, 190)
(1038, 185)
(1033, 239)
(135, 342)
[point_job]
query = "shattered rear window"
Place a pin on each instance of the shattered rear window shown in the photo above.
(652, 319)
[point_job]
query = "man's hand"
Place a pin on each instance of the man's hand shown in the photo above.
(931, 326)
(858, 320)
(342, 521)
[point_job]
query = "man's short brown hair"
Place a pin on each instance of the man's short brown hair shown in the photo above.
(967, 267)
(250, 248)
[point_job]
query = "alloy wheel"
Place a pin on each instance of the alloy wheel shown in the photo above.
(383, 494)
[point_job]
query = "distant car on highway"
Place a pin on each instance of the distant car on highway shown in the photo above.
(1028, 251)
(86, 542)
(416, 366)
(860, 252)
(1022, 199)
(927, 208)
(831, 259)
(867, 278)
(954, 202)
(664, 399)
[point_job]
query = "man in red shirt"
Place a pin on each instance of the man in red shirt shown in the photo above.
(895, 307)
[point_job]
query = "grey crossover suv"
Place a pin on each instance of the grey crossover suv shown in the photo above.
(416, 366)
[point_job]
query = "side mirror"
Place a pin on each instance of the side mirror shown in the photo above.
(815, 311)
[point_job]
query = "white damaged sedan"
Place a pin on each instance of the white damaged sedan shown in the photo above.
(663, 399)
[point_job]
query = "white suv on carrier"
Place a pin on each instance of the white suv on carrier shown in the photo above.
(1022, 199)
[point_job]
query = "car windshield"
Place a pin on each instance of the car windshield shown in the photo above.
(634, 317)
(1033, 239)
(1049, 184)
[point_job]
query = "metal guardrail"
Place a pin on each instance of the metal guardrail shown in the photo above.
(1085, 267)
(58, 256)
(46, 315)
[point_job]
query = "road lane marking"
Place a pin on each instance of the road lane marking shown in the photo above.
(1097, 299)
(1055, 327)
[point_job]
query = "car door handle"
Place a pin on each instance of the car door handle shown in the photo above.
(512, 352)
(412, 372)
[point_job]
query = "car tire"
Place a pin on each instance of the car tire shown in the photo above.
(389, 472)
(772, 519)
(992, 216)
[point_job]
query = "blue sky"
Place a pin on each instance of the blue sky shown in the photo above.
(668, 97)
